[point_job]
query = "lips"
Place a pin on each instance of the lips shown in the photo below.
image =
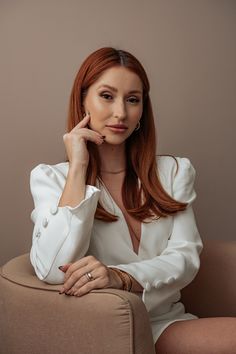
(118, 126)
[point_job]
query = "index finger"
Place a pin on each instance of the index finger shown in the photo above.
(83, 123)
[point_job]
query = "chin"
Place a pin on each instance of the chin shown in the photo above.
(115, 140)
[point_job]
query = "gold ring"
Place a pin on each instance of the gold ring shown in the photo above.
(89, 276)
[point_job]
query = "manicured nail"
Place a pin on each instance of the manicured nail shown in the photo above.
(61, 291)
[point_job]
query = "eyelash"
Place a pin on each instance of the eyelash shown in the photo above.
(107, 94)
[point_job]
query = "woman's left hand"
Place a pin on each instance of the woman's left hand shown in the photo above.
(77, 283)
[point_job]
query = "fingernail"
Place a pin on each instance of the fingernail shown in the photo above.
(61, 291)
(61, 268)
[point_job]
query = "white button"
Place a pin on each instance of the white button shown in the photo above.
(53, 209)
(170, 280)
(45, 222)
(158, 284)
(147, 286)
(38, 233)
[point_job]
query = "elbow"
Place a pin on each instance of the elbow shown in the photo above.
(188, 268)
(192, 266)
(194, 261)
(54, 278)
(50, 276)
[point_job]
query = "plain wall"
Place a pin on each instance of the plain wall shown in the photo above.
(188, 49)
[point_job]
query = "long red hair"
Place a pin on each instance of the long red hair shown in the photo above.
(140, 146)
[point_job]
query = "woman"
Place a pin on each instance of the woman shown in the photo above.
(115, 214)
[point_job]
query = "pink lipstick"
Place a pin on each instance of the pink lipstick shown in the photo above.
(117, 128)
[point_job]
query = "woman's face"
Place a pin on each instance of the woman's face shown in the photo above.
(115, 104)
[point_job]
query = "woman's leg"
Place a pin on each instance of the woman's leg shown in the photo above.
(213, 335)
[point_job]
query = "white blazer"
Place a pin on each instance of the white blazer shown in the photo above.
(168, 257)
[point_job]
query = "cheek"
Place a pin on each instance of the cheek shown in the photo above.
(136, 116)
(98, 114)
(97, 104)
(99, 109)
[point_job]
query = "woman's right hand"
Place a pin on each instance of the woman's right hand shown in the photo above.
(75, 142)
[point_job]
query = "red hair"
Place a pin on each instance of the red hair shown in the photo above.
(140, 146)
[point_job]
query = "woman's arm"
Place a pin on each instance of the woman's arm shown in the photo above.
(61, 233)
(123, 280)
(136, 287)
(74, 189)
(179, 262)
(63, 227)
(78, 156)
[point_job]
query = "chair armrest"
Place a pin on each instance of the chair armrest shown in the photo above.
(213, 291)
(103, 321)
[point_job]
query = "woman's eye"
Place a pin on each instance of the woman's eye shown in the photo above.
(105, 95)
(134, 100)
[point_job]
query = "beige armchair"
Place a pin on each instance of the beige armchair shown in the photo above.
(35, 319)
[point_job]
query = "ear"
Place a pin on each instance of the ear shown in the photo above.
(83, 110)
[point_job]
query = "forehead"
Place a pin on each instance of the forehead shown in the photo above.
(120, 78)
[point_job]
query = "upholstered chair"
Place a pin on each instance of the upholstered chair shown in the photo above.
(35, 319)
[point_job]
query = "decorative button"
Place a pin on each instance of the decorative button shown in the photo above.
(53, 209)
(170, 280)
(147, 286)
(158, 284)
(45, 222)
(38, 233)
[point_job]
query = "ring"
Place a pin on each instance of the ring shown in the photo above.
(89, 276)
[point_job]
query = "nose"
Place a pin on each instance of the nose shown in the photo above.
(120, 110)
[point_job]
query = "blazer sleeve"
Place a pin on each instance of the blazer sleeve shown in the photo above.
(60, 233)
(179, 262)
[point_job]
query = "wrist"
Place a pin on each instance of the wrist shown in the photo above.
(116, 281)
(125, 278)
(75, 166)
(77, 171)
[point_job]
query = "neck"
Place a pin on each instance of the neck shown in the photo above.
(112, 157)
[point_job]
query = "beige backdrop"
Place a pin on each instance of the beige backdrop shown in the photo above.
(188, 49)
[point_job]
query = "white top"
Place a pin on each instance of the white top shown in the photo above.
(168, 256)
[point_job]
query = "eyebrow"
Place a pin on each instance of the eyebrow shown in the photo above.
(115, 89)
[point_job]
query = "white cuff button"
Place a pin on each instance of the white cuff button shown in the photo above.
(45, 222)
(158, 284)
(170, 280)
(147, 286)
(53, 209)
(38, 233)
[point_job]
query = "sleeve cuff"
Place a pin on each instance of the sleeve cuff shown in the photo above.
(89, 192)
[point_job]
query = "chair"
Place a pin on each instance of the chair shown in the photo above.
(36, 319)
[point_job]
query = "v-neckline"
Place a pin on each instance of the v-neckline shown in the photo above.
(120, 212)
